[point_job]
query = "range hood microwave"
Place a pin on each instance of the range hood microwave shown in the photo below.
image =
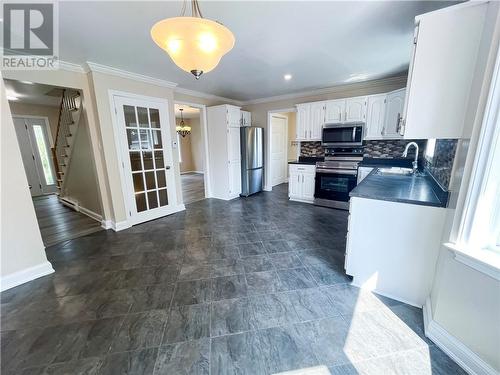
(343, 135)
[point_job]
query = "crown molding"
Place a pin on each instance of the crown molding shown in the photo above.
(70, 67)
(330, 90)
(94, 67)
(204, 95)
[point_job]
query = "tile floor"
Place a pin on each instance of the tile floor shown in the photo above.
(251, 286)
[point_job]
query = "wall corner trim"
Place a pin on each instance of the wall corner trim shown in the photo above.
(28, 274)
(449, 344)
(94, 67)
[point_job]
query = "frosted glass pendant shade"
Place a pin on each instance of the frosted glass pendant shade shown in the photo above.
(195, 44)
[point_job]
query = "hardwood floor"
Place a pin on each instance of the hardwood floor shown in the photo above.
(193, 188)
(59, 223)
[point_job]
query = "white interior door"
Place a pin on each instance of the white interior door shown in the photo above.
(278, 150)
(34, 143)
(146, 150)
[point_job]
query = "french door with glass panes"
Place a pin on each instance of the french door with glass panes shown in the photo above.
(146, 158)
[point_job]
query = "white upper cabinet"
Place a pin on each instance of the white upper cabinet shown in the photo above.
(233, 116)
(246, 118)
(335, 110)
(355, 109)
(303, 121)
(394, 114)
(442, 69)
(317, 121)
(375, 116)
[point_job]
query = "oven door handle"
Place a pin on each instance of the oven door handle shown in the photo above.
(337, 171)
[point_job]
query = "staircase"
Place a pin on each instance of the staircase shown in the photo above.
(69, 117)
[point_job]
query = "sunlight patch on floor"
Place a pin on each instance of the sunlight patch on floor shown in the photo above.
(316, 370)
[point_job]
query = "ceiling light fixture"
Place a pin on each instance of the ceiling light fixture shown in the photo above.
(287, 77)
(10, 97)
(182, 128)
(195, 44)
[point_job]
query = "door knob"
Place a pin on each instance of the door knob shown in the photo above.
(167, 167)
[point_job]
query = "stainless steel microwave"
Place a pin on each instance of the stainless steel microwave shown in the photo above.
(343, 135)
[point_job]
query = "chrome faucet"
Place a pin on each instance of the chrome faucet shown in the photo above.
(405, 154)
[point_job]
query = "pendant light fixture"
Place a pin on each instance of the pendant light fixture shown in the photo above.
(182, 128)
(195, 44)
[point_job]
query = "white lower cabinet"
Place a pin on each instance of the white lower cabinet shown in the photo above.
(386, 251)
(301, 182)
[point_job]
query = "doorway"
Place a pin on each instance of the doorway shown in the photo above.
(281, 146)
(192, 151)
(35, 144)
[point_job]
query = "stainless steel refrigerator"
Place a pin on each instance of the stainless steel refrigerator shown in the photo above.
(252, 160)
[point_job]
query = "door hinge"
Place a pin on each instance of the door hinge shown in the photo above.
(130, 213)
(33, 156)
(123, 164)
(385, 101)
(116, 112)
(25, 126)
(40, 185)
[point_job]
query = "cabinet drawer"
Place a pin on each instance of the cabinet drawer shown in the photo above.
(302, 168)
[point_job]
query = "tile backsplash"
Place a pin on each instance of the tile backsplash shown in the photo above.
(391, 148)
(311, 149)
(440, 164)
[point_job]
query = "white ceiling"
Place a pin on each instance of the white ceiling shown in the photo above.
(33, 93)
(320, 43)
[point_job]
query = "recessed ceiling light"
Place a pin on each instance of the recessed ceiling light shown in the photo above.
(287, 77)
(10, 97)
(27, 82)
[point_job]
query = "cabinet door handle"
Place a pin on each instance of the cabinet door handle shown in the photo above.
(345, 116)
(398, 123)
(298, 178)
(302, 178)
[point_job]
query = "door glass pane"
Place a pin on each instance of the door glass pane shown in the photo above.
(161, 179)
(150, 180)
(138, 182)
(44, 154)
(133, 139)
(154, 117)
(145, 139)
(159, 160)
(129, 113)
(140, 201)
(135, 161)
(142, 114)
(148, 160)
(157, 139)
(152, 199)
(163, 197)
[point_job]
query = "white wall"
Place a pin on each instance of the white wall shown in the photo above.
(464, 301)
(22, 251)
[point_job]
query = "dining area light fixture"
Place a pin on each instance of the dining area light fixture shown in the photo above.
(182, 128)
(195, 44)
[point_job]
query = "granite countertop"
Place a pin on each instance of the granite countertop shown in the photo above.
(311, 160)
(384, 162)
(421, 189)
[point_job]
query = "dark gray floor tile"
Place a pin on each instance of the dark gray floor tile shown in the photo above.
(295, 278)
(257, 263)
(154, 297)
(350, 299)
(312, 304)
(231, 316)
(195, 272)
(142, 330)
(227, 267)
(86, 339)
(187, 323)
(192, 292)
(277, 246)
(229, 287)
(273, 310)
(328, 275)
(412, 317)
(87, 366)
(137, 362)
(285, 260)
(285, 349)
(29, 371)
(191, 357)
(138, 277)
(223, 252)
(248, 237)
(270, 235)
(322, 256)
(262, 282)
(237, 354)
(249, 249)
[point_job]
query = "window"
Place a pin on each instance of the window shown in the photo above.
(478, 241)
(179, 147)
(43, 152)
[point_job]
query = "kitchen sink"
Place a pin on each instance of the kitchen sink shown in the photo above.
(395, 171)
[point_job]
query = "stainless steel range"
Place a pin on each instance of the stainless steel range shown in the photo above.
(336, 177)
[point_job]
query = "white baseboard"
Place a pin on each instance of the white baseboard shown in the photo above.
(198, 172)
(110, 224)
(268, 188)
(28, 274)
(455, 349)
(388, 295)
(75, 205)
(89, 213)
